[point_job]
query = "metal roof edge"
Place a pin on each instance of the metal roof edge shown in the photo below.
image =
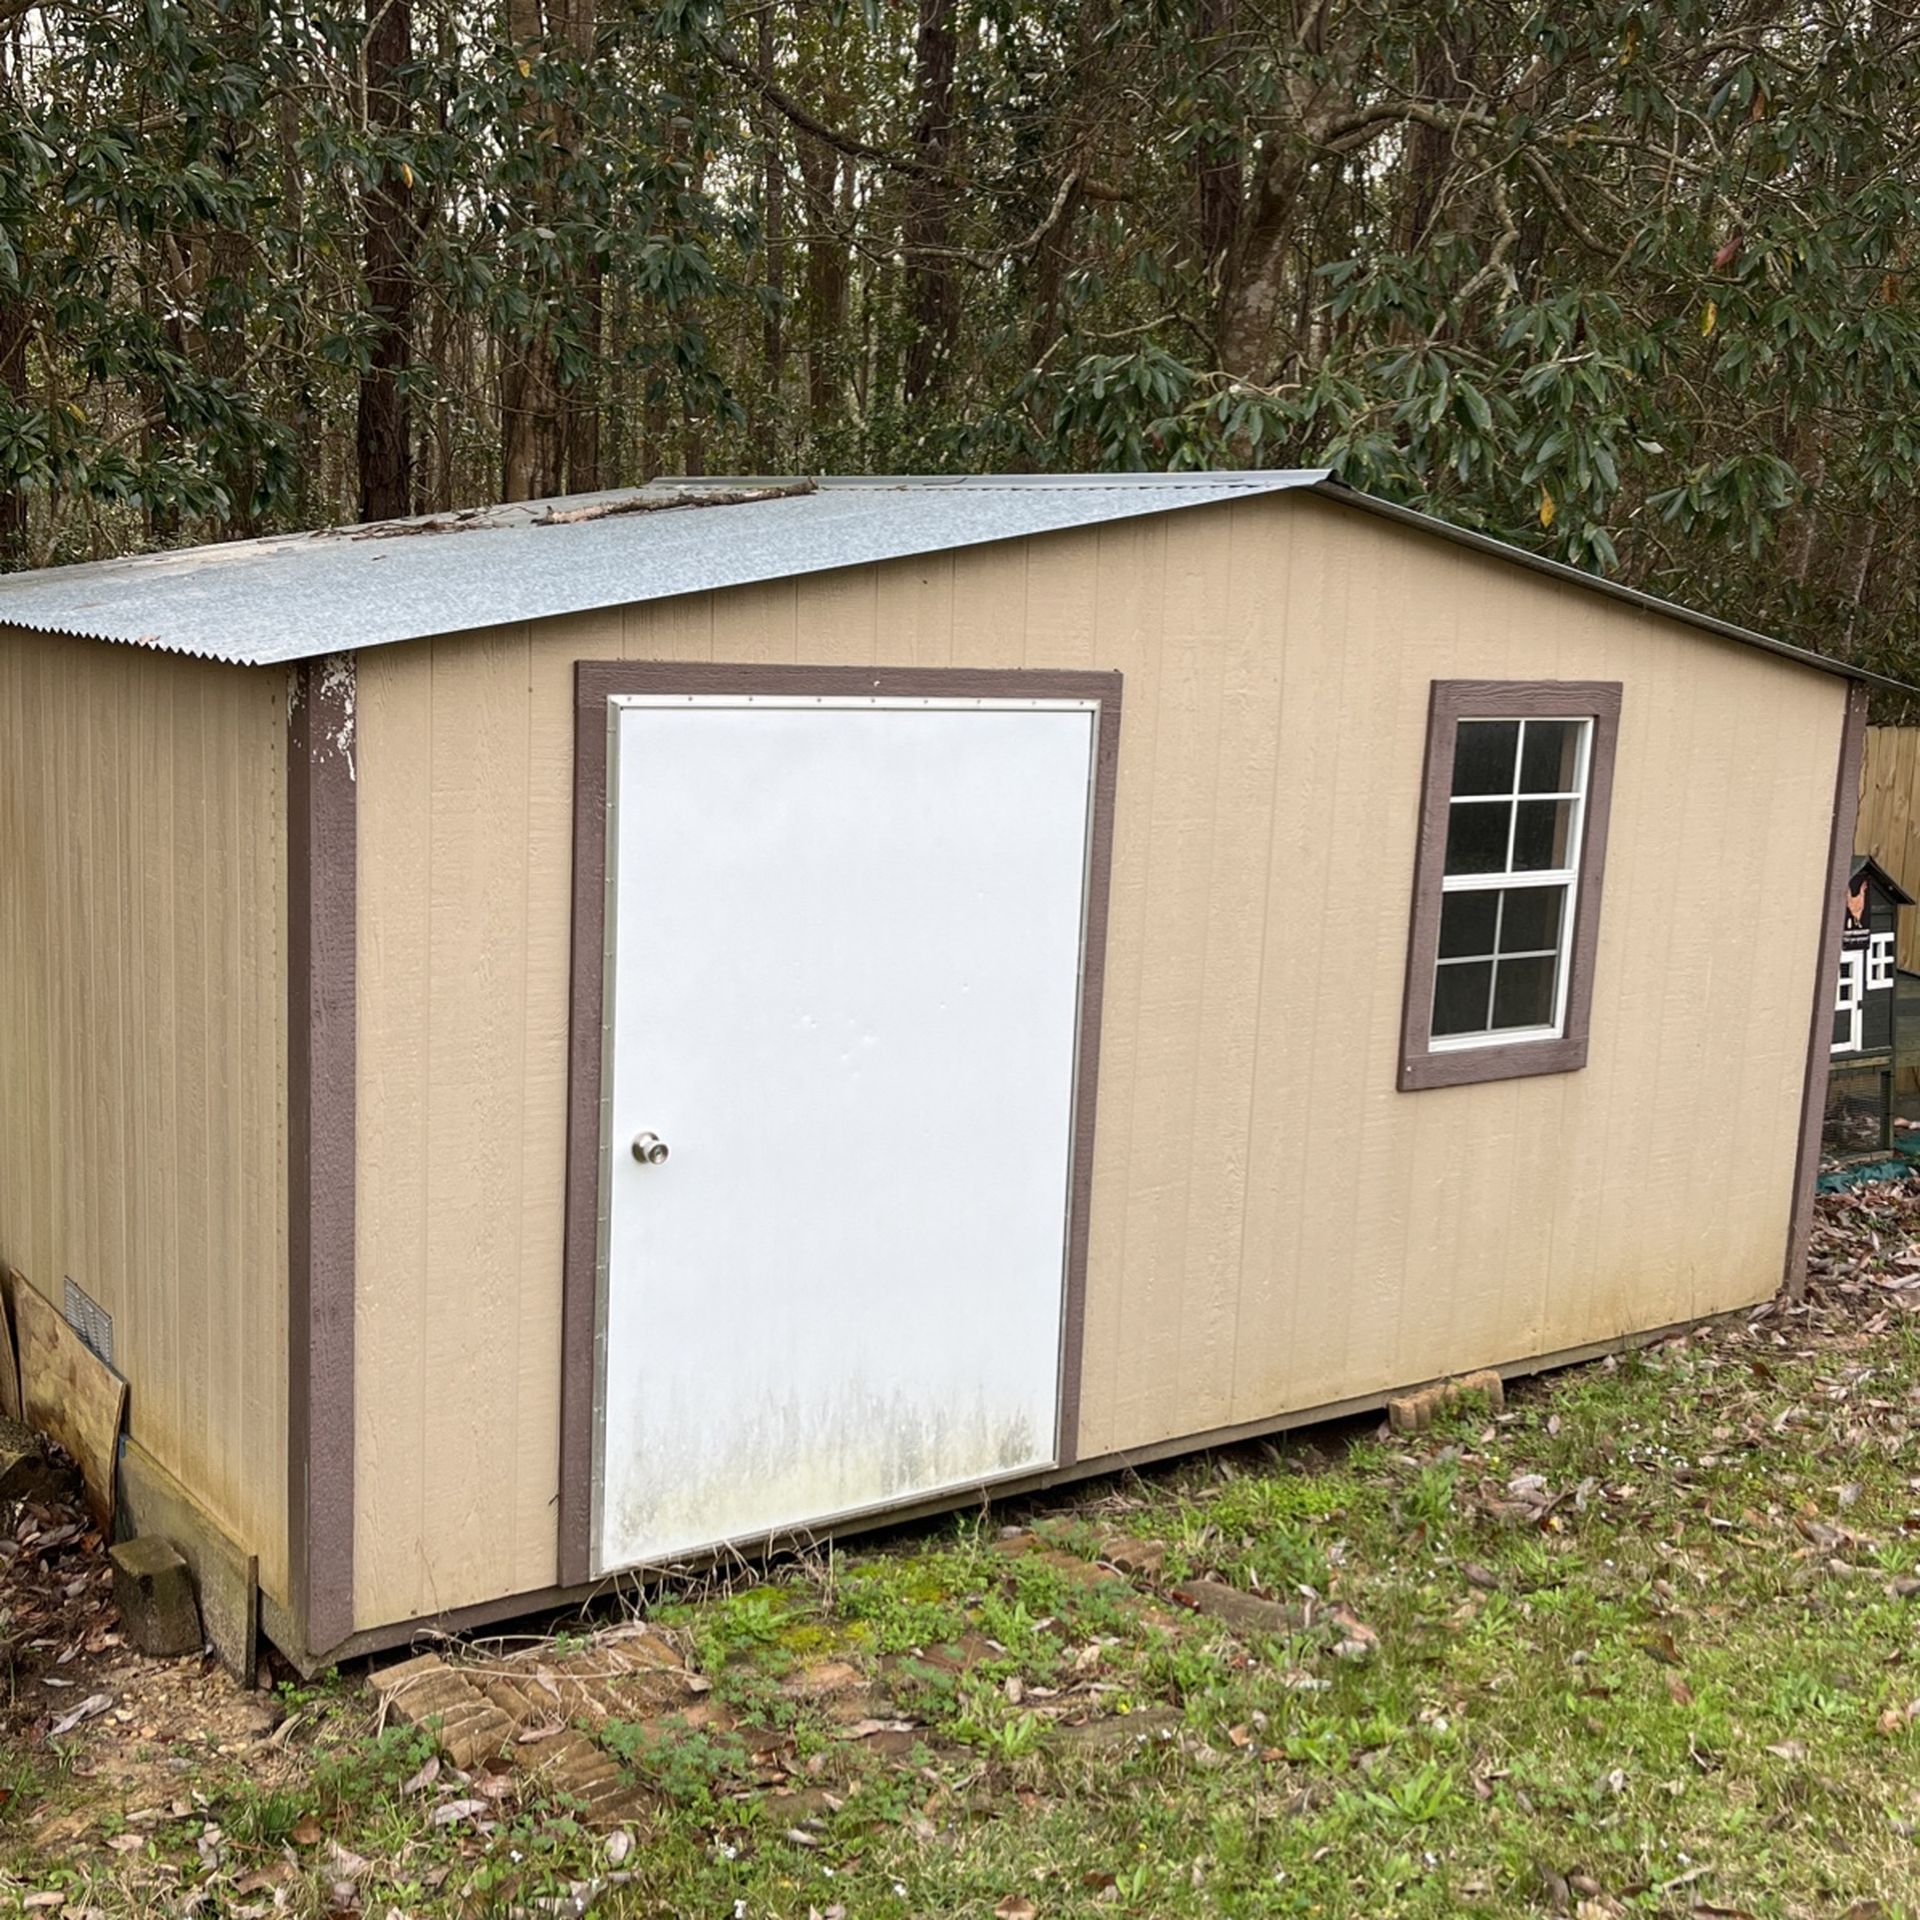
(1333, 489)
(1151, 493)
(1257, 480)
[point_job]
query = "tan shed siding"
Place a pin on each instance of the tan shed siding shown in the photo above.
(1889, 824)
(1273, 1226)
(143, 1041)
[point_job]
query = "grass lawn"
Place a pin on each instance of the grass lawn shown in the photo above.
(1640, 1644)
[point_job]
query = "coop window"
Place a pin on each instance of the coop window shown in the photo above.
(1507, 882)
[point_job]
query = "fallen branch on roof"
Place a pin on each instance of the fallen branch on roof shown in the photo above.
(640, 503)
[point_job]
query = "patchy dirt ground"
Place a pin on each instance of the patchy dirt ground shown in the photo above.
(1646, 1642)
(130, 1731)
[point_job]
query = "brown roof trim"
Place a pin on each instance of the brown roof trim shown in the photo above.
(1331, 489)
(322, 851)
(1451, 701)
(597, 681)
(1826, 984)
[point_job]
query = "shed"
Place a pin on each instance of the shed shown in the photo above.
(565, 1037)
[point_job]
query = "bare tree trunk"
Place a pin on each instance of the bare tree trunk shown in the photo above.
(226, 348)
(1853, 583)
(933, 300)
(1803, 521)
(1444, 73)
(1254, 284)
(225, 291)
(583, 399)
(166, 295)
(1089, 104)
(1217, 169)
(580, 23)
(824, 301)
(15, 328)
(296, 345)
(533, 423)
(549, 433)
(773, 214)
(384, 436)
(653, 433)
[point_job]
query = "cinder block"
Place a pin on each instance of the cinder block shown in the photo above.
(225, 1580)
(154, 1592)
(1486, 1382)
(1414, 1412)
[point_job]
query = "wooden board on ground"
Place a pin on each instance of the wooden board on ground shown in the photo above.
(227, 1581)
(9, 1358)
(70, 1394)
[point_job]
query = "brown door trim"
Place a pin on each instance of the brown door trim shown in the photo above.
(597, 681)
(1826, 983)
(322, 855)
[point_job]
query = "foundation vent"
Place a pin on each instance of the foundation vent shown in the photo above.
(91, 1321)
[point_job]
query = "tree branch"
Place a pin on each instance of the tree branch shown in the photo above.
(857, 149)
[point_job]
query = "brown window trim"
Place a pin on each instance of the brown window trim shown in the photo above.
(1454, 700)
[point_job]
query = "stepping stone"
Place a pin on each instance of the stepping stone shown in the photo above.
(1142, 1559)
(448, 1703)
(1070, 1566)
(822, 1682)
(571, 1767)
(1121, 1734)
(1241, 1613)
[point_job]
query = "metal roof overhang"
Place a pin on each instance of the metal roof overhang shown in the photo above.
(296, 597)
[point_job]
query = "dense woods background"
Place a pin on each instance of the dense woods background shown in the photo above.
(1630, 284)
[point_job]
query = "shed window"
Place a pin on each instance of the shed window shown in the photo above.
(1514, 811)
(1507, 887)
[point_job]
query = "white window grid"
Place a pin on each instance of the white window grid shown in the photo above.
(1880, 962)
(1566, 877)
(1850, 1001)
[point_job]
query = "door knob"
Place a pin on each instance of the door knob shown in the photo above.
(649, 1149)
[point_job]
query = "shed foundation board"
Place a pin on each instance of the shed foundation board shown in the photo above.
(151, 1502)
(9, 1352)
(69, 1395)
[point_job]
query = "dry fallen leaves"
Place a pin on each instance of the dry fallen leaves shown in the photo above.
(92, 1704)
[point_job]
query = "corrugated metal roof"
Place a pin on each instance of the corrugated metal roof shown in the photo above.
(264, 602)
(298, 596)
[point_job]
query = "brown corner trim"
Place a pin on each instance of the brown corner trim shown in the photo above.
(596, 682)
(1421, 1066)
(1826, 983)
(322, 832)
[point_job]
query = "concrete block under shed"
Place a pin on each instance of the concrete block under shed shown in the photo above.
(153, 1589)
(225, 1580)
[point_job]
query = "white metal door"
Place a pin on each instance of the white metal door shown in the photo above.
(843, 982)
